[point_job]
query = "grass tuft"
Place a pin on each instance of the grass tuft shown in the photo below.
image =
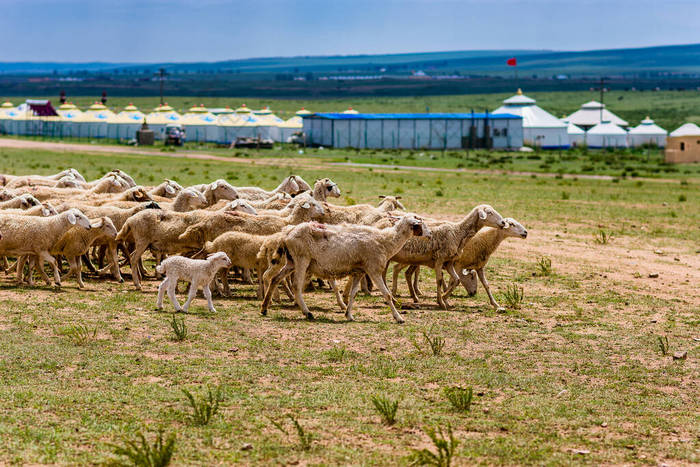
(544, 264)
(204, 408)
(602, 237)
(141, 454)
(305, 439)
(514, 295)
(179, 329)
(444, 445)
(435, 343)
(386, 408)
(459, 397)
(80, 334)
(663, 345)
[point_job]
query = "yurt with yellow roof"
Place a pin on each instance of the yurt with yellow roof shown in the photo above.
(268, 124)
(200, 124)
(227, 122)
(247, 124)
(8, 116)
(69, 114)
(162, 116)
(292, 126)
(125, 124)
(93, 122)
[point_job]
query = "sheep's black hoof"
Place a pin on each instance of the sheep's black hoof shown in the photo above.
(310, 316)
(121, 281)
(263, 312)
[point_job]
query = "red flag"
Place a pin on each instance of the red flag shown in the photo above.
(511, 62)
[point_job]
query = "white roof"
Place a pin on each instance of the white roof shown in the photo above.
(533, 116)
(607, 128)
(589, 115)
(689, 129)
(574, 130)
(648, 127)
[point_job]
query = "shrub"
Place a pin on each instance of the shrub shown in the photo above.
(544, 264)
(141, 454)
(513, 296)
(386, 408)
(682, 198)
(206, 407)
(435, 343)
(305, 439)
(565, 195)
(460, 398)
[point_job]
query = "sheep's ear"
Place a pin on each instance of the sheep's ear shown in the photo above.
(71, 218)
(506, 224)
(214, 185)
(398, 197)
(45, 212)
(99, 223)
(382, 196)
(25, 203)
(482, 214)
(306, 205)
(168, 189)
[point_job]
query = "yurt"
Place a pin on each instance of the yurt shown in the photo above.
(591, 114)
(200, 124)
(8, 115)
(93, 122)
(606, 135)
(246, 124)
(227, 121)
(351, 111)
(268, 124)
(683, 144)
(69, 115)
(647, 132)
(160, 117)
(577, 137)
(293, 125)
(125, 124)
(540, 128)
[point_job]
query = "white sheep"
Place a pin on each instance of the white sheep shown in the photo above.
(293, 185)
(24, 201)
(198, 272)
(325, 187)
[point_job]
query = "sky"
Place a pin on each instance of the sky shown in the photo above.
(213, 30)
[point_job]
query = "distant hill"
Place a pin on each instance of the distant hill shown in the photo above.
(671, 59)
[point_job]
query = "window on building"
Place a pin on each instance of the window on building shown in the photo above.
(505, 132)
(682, 146)
(496, 132)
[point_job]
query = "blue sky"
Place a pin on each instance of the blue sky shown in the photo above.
(210, 30)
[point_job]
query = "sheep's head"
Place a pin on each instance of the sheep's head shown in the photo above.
(219, 260)
(130, 181)
(418, 227)
(75, 174)
(47, 210)
(329, 187)
(514, 228)
(171, 188)
(469, 281)
(223, 190)
(194, 198)
(67, 181)
(290, 185)
(76, 217)
(193, 235)
(301, 183)
(313, 208)
(391, 203)
(137, 193)
(241, 205)
(29, 201)
(489, 217)
(6, 195)
(106, 226)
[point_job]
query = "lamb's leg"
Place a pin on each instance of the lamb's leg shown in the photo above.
(190, 296)
(485, 283)
(354, 287)
(161, 291)
(207, 295)
(338, 296)
(45, 256)
(223, 274)
(172, 284)
(409, 283)
(376, 277)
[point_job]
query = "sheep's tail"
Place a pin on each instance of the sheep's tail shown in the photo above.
(124, 232)
(160, 269)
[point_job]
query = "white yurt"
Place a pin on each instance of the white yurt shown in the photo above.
(160, 117)
(227, 121)
(93, 122)
(687, 129)
(246, 123)
(540, 128)
(125, 124)
(647, 132)
(69, 114)
(606, 135)
(293, 125)
(350, 111)
(577, 137)
(592, 113)
(200, 124)
(8, 115)
(268, 124)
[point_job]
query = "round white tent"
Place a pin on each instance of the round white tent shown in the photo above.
(647, 132)
(606, 135)
(160, 117)
(591, 114)
(293, 125)
(688, 129)
(227, 121)
(200, 124)
(93, 122)
(126, 123)
(540, 128)
(8, 114)
(70, 115)
(268, 124)
(577, 137)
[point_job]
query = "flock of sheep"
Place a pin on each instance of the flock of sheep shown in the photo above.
(287, 237)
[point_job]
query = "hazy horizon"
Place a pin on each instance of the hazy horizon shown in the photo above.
(147, 31)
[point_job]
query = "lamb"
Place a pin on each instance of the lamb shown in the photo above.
(336, 251)
(187, 200)
(216, 191)
(167, 189)
(293, 185)
(23, 235)
(476, 253)
(198, 272)
(447, 241)
(325, 187)
(24, 201)
(77, 241)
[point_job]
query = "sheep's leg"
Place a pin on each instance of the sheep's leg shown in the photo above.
(261, 292)
(485, 283)
(438, 284)
(79, 271)
(338, 296)
(409, 283)
(354, 287)
(207, 295)
(395, 278)
(190, 296)
(135, 261)
(116, 273)
(4, 264)
(366, 285)
(274, 281)
(416, 283)
(45, 256)
(224, 280)
(376, 277)
(247, 278)
(161, 292)
(88, 263)
(450, 267)
(287, 287)
(300, 279)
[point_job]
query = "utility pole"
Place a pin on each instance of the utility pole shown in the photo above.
(161, 75)
(602, 96)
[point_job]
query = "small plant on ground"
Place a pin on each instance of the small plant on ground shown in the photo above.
(141, 454)
(179, 328)
(204, 408)
(459, 397)
(386, 408)
(565, 195)
(544, 264)
(80, 334)
(305, 439)
(337, 354)
(602, 237)
(514, 295)
(445, 446)
(663, 345)
(435, 342)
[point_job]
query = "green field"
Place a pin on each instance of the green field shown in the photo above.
(572, 375)
(669, 109)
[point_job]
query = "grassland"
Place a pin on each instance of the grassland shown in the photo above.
(574, 375)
